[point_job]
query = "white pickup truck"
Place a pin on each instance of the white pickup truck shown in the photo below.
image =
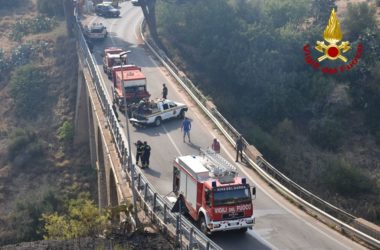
(154, 112)
(95, 32)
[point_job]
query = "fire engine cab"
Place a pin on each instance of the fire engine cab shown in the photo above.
(215, 196)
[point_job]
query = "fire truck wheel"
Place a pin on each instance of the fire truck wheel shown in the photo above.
(202, 225)
(243, 230)
(157, 122)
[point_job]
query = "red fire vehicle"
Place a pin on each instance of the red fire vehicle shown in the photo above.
(111, 58)
(128, 80)
(215, 196)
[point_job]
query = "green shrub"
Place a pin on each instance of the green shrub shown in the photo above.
(34, 25)
(28, 90)
(27, 214)
(51, 7)
(326, 133)
(66, 132)
(267, 145)
(24, 147)
(347, 180)
(82, 219)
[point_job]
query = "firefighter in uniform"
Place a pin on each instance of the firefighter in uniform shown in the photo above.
(139, 152)
(146, 155)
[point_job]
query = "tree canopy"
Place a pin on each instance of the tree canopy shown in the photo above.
(248, 56)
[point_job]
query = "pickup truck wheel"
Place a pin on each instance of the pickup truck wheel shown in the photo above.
(157, 122)
(202, 225)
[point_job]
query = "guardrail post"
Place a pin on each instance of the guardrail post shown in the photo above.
(146, 191)
(165, 207)
(139, 182)
(208, 245)
(191, 238)
(177, 231)
(154, 201)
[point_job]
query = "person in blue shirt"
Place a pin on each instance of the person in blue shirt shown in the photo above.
(186, 127)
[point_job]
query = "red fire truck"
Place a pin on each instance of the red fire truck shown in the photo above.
(215, 196)
(128, 80)
(111, 58)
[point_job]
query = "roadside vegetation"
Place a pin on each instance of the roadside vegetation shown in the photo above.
(41, 173)
(321, 130)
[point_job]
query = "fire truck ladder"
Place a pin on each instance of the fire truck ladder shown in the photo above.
(217, 165)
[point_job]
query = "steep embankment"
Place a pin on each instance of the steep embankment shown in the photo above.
(38, 165)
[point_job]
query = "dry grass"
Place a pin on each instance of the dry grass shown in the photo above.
(60, 30)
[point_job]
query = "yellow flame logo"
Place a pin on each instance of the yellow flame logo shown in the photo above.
(332, 35)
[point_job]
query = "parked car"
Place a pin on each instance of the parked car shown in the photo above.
(106, 10)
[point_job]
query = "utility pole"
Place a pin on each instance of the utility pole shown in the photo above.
(130, 166)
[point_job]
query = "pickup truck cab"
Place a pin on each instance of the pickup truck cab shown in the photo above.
(154, 112)
(95, 32)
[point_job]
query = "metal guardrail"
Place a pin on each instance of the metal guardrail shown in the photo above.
(342, 220)
(157, 207)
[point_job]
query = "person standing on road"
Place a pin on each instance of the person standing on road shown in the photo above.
(186, 127)
(164, 91)
(239, 148)
(215, 146)
(146, 155)
(139, 152)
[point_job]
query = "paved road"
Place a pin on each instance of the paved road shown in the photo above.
(279, 225)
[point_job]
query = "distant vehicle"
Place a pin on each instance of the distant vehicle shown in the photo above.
(114, 3)
(106, 10)
(97, 31)
(135, 2)
(111, 58)
(155, 111)
(128, 80)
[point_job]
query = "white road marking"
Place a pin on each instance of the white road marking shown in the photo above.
(171, 140)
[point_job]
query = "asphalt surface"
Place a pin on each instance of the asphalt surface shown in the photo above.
(279, 225)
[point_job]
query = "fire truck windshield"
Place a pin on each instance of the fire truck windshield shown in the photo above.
(231, 195)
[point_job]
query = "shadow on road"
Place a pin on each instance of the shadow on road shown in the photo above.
(152, 172)
(237, 240)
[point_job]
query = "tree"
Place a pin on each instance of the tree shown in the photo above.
(149, 10)
(28, 89)
(360, 18)
(322, 9)
(51, 7)
(66, 132)
(26, 216)
(82, 219)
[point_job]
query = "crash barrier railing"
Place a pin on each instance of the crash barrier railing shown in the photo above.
(328, 213)
(157, 206)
